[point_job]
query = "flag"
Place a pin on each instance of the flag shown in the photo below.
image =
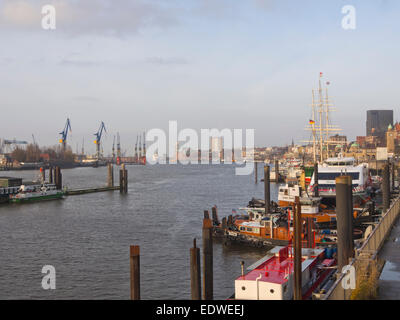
(312, 122)
(320, 74)
(234, 211)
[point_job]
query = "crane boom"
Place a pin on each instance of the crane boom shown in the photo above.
(64, 133)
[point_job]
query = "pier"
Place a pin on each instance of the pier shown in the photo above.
(367, 262)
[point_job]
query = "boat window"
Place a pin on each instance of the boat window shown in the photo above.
(250, 229)
(242, 228)
(334, 175)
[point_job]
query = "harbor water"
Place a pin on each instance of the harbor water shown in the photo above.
(87, 237)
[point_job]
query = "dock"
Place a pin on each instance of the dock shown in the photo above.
(74, 192)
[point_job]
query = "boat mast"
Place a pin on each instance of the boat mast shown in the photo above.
(313, 127)
(320, 110)
(327, 121)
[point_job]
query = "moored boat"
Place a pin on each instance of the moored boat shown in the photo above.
(36, 193)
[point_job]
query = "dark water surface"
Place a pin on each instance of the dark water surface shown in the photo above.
(87, 237)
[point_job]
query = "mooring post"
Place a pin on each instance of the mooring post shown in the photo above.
(223, 223)
(195, 272)
(135, 272)
(256, 172)
(393, 175)
(51, 175)
(316, 180)
(110, 176)
(310, 233)
(123, 179)
(344, 214)
(207, 260)
(58, 178)
(230, 220)
(215, 215)
(277, 170)
(297, 250)
(385, 188)
(267, 190)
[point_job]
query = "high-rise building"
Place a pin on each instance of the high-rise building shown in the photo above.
(378, 122)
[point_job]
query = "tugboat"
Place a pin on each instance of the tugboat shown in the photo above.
(36, 193)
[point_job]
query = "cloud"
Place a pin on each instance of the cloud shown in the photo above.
(102, 17)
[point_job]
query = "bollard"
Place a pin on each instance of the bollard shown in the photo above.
(135, 272)
(195, 272)
(344, 214)
(386, 188)
(316, 180)
(267, 190)
(110, 176)
(207, 260)
(297, 250)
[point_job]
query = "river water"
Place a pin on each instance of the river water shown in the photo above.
(87, 237)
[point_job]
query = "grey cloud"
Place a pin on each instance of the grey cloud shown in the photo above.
(103, 17)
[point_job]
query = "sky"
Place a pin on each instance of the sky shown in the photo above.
(137, 64)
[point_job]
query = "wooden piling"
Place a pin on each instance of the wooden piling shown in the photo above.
(110, 175)
(310, 233)
(316, 180)
(215, 215)
(267, 190)
(123, 179)
(195, 272)
(230, 220)
(135, 272)
(223, 223)
(51, 175)
(58, 178)
(393, 175)
(297, 250)
(207, 261)
(277, 171)
(344, 214)
(385, 188)
(256, 172)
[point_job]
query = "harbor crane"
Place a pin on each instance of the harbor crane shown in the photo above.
(98, 135)
(64, 134)
(113, 150)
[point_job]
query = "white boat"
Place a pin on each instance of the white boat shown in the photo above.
(36, 193)
(335, 167)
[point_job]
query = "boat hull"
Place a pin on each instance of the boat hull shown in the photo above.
(46, 197)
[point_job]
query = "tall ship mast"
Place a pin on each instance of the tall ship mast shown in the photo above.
(320, 125)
